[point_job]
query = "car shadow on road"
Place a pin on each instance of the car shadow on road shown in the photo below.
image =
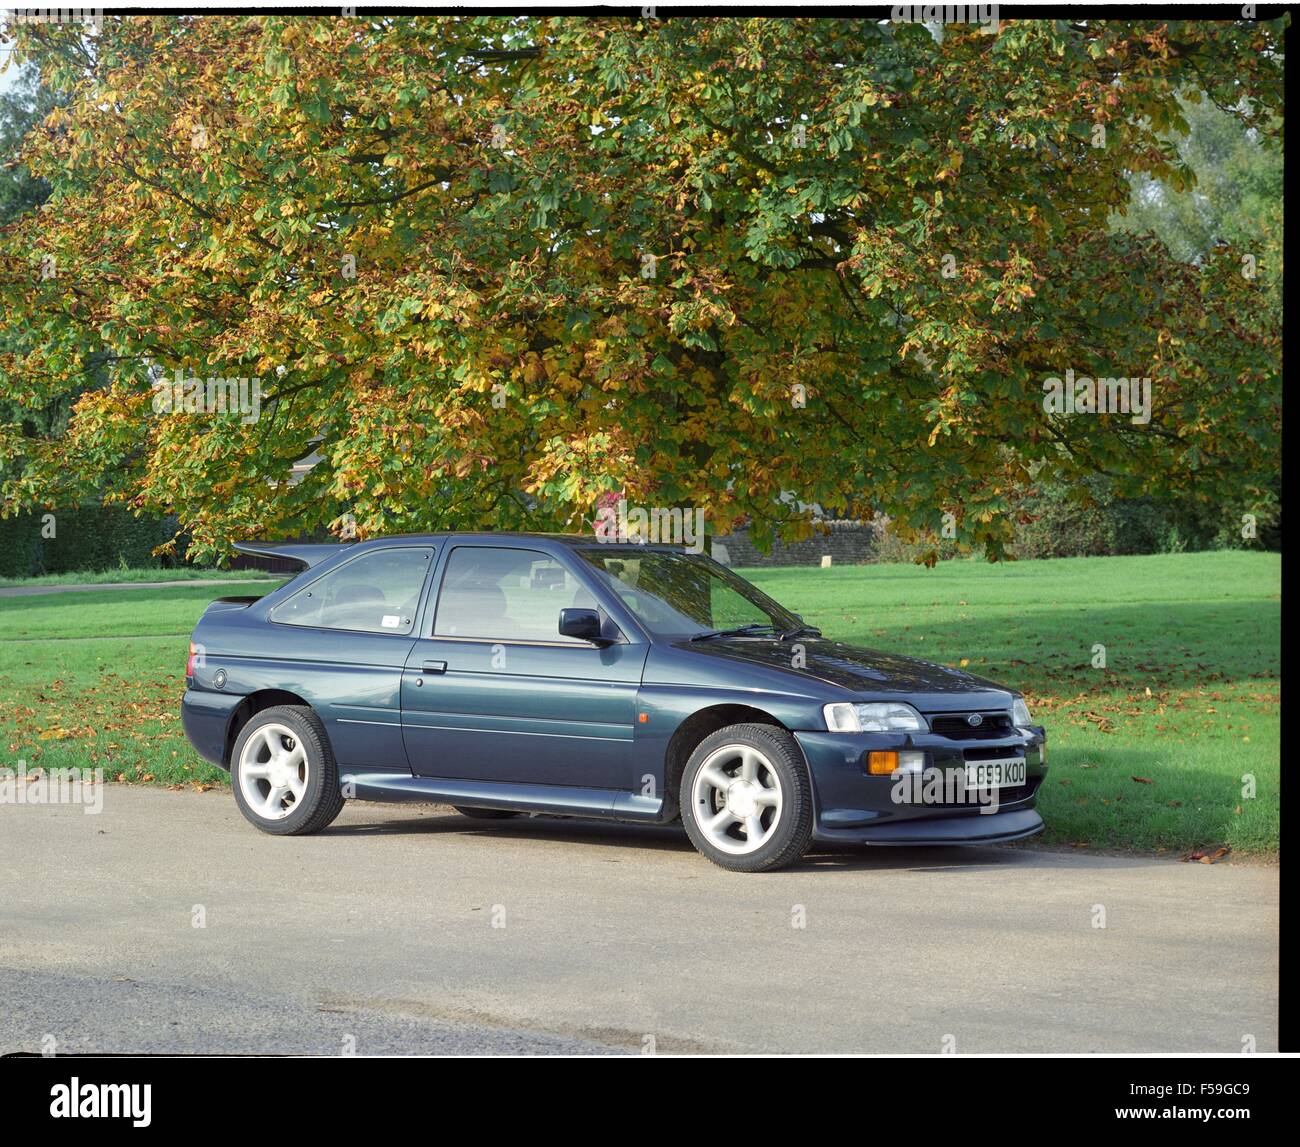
(672, 838)
(965, 858)
(575, 830)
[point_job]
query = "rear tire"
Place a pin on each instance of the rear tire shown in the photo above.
(283, 772)
(484, 813)
(746, 798)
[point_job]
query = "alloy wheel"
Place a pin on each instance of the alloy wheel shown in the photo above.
(273, 771)
(738, 799)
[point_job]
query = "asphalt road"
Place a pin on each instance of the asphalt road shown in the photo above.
(412, 929)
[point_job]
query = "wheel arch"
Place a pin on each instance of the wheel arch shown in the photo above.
(249, 707)
(700, 724)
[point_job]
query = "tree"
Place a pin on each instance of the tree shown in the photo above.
(493, 268)
(1236, 198)
(23, 107)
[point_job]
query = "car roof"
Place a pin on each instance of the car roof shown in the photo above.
(316, 554)
(513, 539)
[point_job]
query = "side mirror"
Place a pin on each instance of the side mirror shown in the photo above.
(584, 624)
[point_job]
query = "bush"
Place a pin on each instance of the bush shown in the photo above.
(890, 548)
(1090, 521)
(1059, 525)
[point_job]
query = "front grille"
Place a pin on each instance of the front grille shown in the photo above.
(957, 726)
(990, 753)
(1017, 792)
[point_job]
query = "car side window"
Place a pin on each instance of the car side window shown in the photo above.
(377, 592)
(498, 594)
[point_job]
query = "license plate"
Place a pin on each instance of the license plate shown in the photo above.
(1002, 774)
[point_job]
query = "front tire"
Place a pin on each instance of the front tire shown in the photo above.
(746, 798)
(284, 774)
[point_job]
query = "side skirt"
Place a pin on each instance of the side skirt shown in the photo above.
(609, 804)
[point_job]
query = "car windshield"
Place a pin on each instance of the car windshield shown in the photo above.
(673, 593)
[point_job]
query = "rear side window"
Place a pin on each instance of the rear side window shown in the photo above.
(376, 592)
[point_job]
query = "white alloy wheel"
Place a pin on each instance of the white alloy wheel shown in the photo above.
(273, 771)
(737, 799)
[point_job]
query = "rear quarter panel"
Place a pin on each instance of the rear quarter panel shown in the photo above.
(352, 680)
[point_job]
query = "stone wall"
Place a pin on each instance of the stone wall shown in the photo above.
(847, 543)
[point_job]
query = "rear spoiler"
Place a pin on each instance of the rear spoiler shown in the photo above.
(306, 555)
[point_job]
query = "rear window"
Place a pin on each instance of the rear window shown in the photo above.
(377, 592)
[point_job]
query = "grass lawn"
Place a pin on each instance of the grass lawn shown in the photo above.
(1188, 701)
(98, 577)
(1147, 753)
(94, 679)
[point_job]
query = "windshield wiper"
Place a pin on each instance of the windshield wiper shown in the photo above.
(801, 631)
(738, 631)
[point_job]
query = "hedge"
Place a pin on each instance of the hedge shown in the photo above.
(88, 538)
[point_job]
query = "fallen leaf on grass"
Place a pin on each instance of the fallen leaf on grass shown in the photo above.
(1207, 857)
(1144, 780)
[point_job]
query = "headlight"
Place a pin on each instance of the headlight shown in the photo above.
(1020, 717)
(878, 717)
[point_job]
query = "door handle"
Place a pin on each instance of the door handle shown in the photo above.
(434, 666)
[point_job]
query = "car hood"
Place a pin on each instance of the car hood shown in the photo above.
(853, 668)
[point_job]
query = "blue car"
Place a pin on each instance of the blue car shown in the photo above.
(507, 674)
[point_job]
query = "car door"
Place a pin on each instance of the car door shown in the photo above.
(493, 693)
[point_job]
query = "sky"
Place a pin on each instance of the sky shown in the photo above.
(7, 74)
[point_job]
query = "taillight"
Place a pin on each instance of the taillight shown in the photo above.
(189, 664)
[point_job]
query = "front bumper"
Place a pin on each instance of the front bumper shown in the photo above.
(854, 807)
(995, 828)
